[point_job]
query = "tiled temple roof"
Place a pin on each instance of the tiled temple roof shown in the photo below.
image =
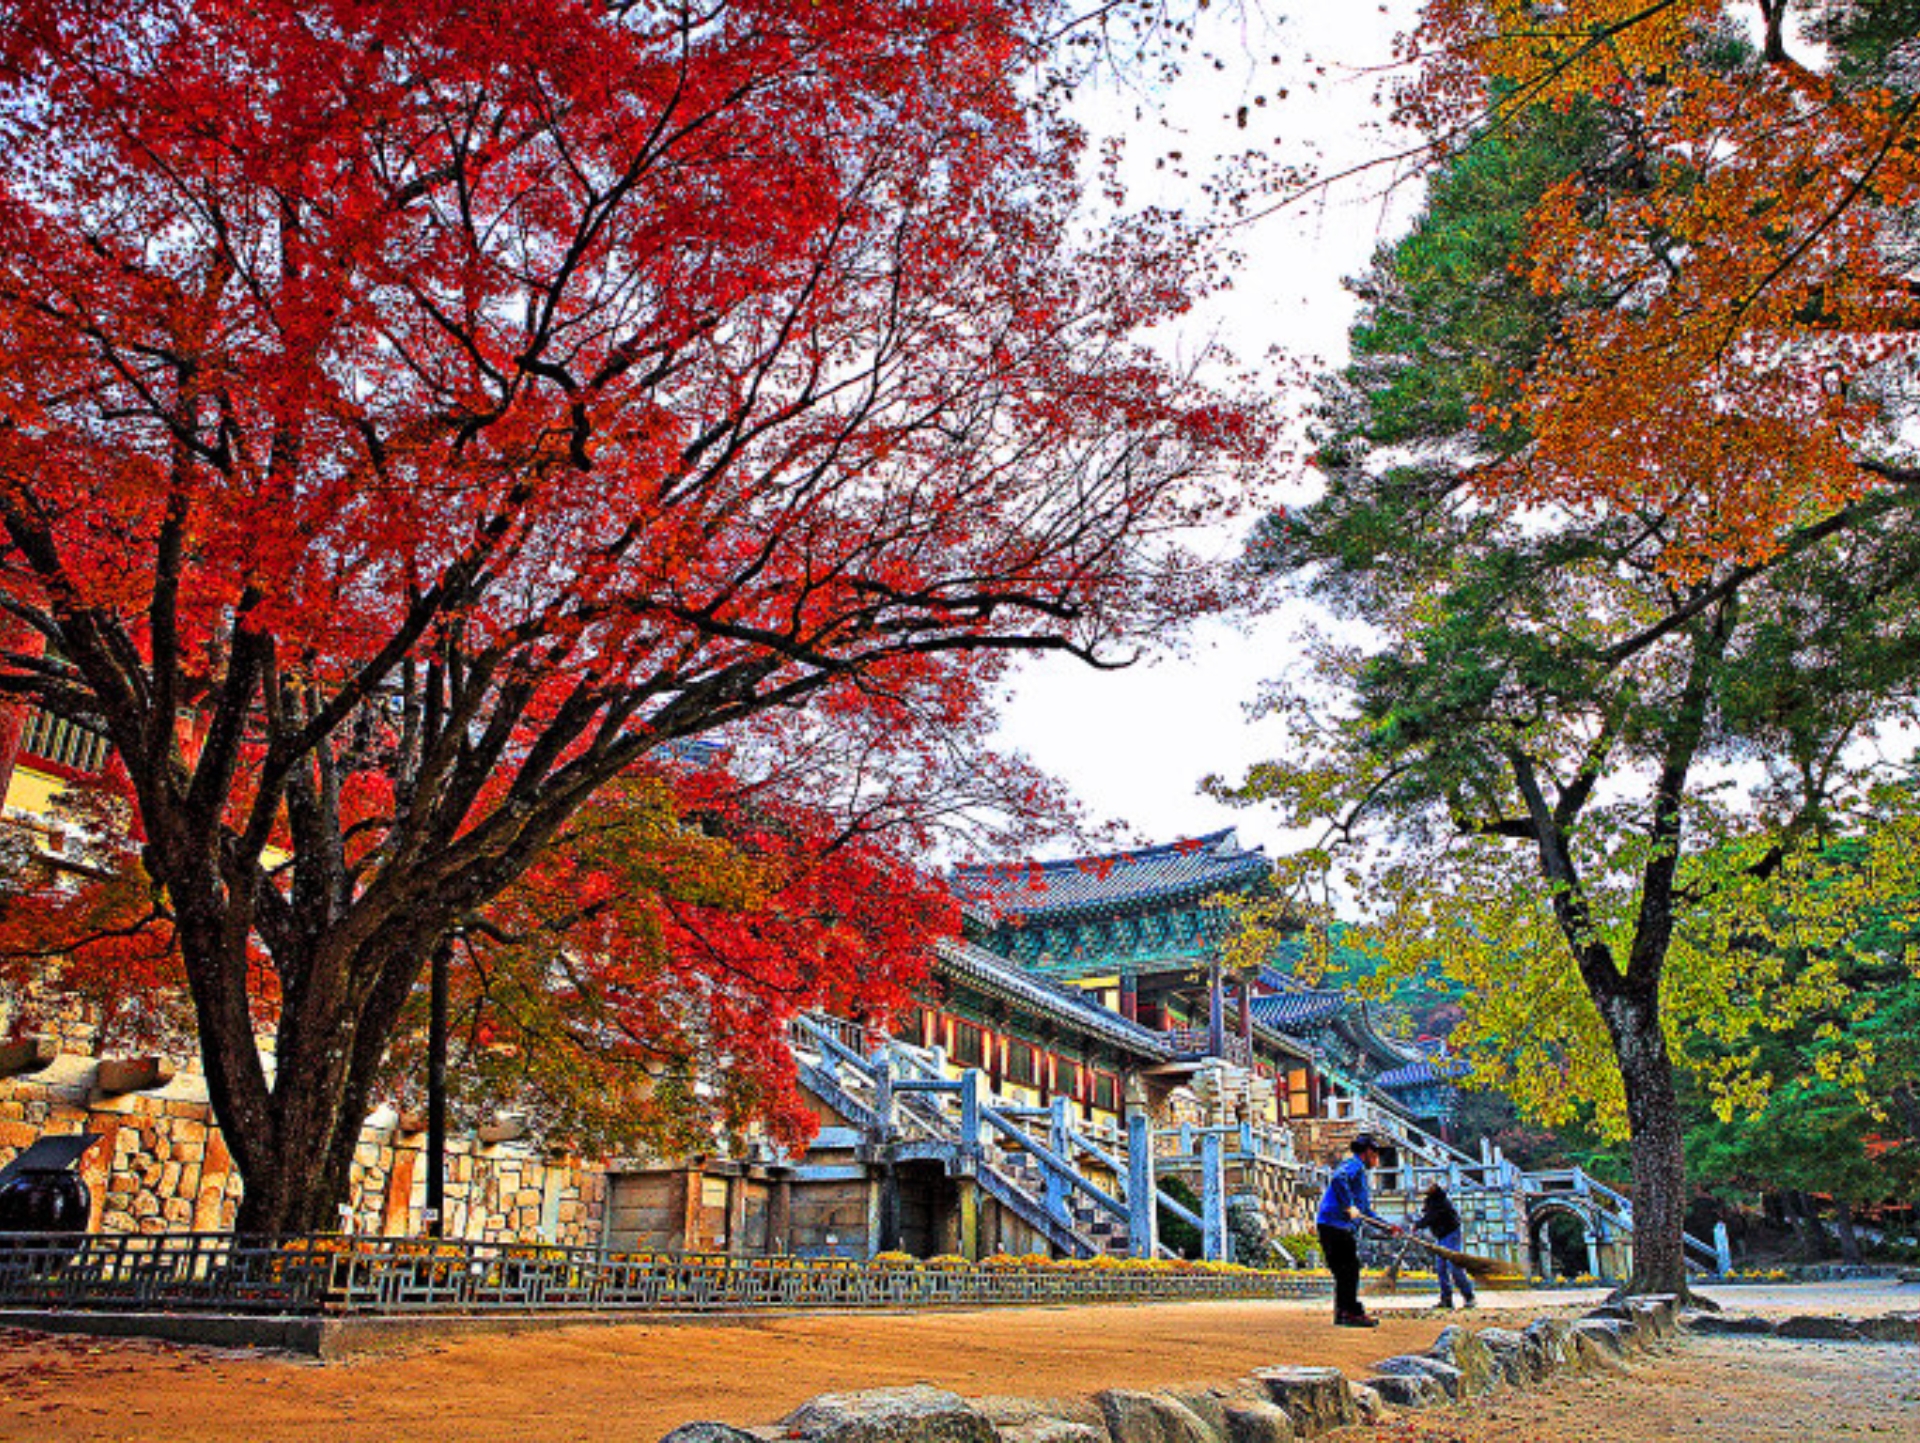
(1117, 881)
(1067, 1005)
(1293, 1011)
(1420, 1074)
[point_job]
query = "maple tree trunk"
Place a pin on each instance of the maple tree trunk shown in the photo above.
(1659, 1164)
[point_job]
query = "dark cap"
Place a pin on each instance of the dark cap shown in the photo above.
(1365, 1142)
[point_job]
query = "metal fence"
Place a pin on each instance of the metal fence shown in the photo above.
(218, 1272)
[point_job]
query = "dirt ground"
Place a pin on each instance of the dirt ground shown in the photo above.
(1705, 1390)
(634, 1383)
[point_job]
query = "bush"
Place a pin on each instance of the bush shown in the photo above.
(1252, 1243)
(1303, 1248)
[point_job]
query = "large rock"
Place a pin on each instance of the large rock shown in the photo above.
(1633, 1336)
(1415, 1365)
(1052, 1430)
(1657, 1313)
(1006, 1413)
(1471, 1358)
(1045, 1420)
(1317, 1399)
(1368, 1404)
(1253, 1420)
(1819, 1327)
(1407, 1390)
(1547, 1346)
(1738, 1324)
(1891, 1328)
(1510, 1354)
(711, 1433)
(1597, 1347)
(1152, 1418)
(918, 1414)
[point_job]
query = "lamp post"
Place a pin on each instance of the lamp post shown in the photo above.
(436, 1210)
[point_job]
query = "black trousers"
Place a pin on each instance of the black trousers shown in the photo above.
(1342, 1252)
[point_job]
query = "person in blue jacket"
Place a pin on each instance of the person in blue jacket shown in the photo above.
(1347, 1200)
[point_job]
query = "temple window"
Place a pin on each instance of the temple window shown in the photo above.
(969, 1044)
(1023, 1064)
(1066, 1078)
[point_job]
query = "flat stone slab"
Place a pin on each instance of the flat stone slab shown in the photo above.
(1818, 1327)
(916, 1414)
(1134, 1417)
(711, 1433)
(1249, 1420)
(1733, 1324)
(1407, 1390)
(1891, 1328)
(1317, 1399)
(1416, 1365)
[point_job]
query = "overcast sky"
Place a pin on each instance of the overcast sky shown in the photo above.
(1133, 744)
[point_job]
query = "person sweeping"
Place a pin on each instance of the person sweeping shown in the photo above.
(1347, 1200)
(1441, 1219)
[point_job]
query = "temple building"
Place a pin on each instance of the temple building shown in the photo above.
(1141, 931)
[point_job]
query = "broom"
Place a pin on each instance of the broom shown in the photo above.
(1487, 1272)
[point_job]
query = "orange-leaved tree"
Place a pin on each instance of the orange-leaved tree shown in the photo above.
(412, 415)
(1735, 361)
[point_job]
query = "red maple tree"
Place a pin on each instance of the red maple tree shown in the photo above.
(413, 415)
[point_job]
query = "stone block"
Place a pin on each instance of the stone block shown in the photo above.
(1820, 1328)
(1413, 1365)
(1317, 1399)
(1625, 1324)
(1658, 1314)
(916, 1414)
(1595, 1348)
(1510, 1354)
(1050, 1430)
(1369, 1405)
(1407, 1390)
(1471, 1358)
(1547, 1339)
(1890, 1328)
(1251, 1420)
(710, 1433)
(1736, 1324)
(1135, 1417)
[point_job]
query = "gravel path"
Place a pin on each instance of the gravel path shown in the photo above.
(1703, 1390)
(635, 1382)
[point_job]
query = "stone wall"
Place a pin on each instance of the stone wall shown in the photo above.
(162, 1165)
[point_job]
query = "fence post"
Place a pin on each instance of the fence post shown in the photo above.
(1058, 1140)
(1213, 1199)
(1142, 1231)
(883, 1095)
(970, 1111)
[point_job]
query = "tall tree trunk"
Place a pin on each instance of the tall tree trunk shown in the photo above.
(1813, 1238)
(1659, 1163)
(1843, 1224)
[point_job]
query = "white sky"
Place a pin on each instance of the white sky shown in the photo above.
(1132, 745)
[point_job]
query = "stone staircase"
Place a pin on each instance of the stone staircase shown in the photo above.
(906, 1111)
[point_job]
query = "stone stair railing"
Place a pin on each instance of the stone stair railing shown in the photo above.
(899, 1096)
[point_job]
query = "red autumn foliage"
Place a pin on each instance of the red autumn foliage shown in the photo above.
(445, 406)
